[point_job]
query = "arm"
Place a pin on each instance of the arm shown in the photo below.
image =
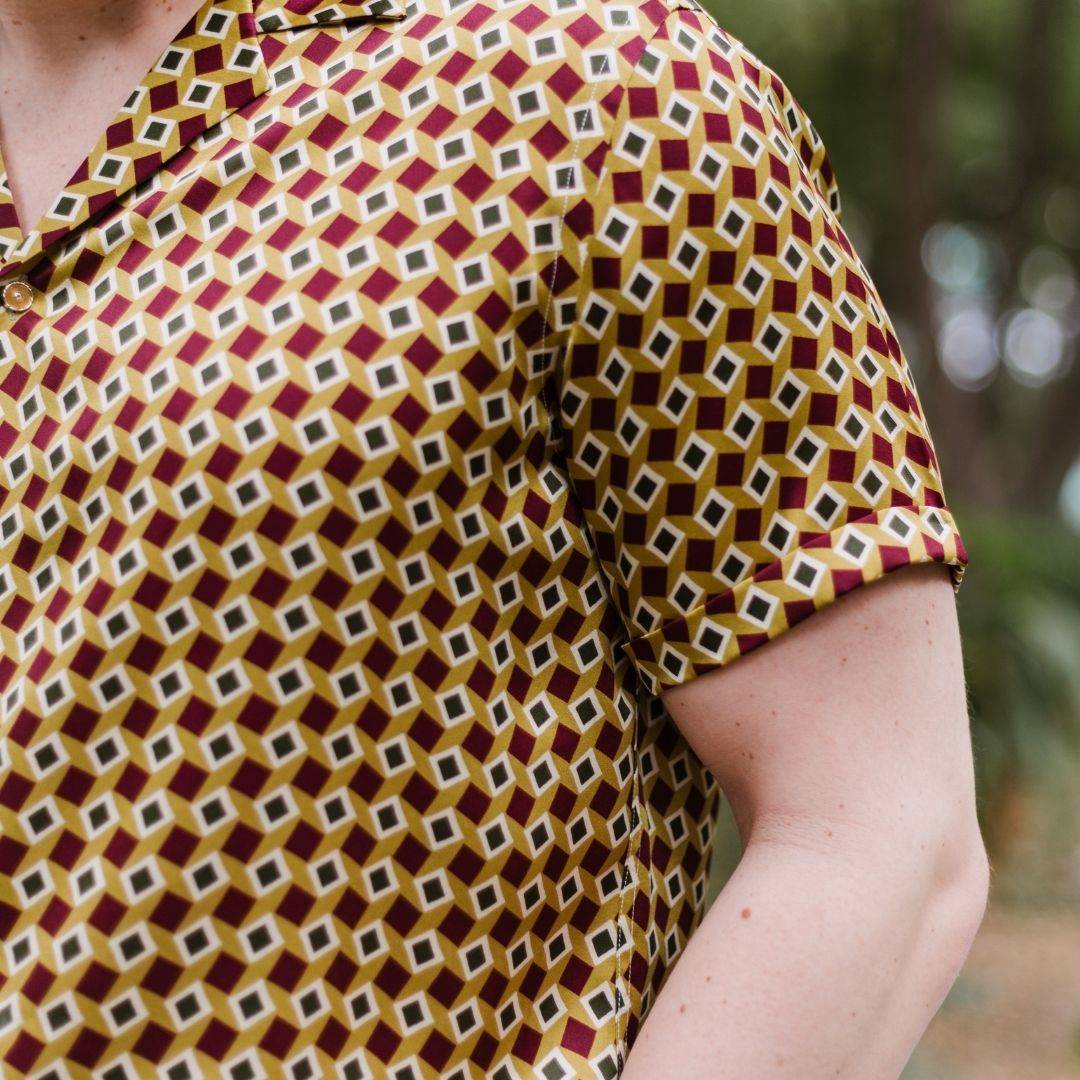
(843, 749)
(749, 451)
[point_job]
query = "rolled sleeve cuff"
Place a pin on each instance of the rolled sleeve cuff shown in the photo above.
(808, 578)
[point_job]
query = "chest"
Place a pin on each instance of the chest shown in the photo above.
(45, 137)
(281, 364)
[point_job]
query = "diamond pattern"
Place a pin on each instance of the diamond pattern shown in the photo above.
(410, 393)
(741, 426)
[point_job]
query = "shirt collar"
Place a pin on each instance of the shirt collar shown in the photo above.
(215, 65)
(271, 15)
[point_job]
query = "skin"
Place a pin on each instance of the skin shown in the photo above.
(844, 750)
(88, 54)
(842, 747)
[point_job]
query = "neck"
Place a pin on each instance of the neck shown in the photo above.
(56, 32)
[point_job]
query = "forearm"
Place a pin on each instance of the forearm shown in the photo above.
(814, 961)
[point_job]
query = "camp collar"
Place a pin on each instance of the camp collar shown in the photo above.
(214, 66)
(271, 15)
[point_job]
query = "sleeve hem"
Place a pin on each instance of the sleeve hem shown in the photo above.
(728, 624)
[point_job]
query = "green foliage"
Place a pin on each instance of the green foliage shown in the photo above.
(1019, 609)
(963, 114)
(1020, 617)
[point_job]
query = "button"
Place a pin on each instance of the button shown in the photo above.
(17, 296)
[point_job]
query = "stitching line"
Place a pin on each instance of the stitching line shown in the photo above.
(637, 792)
(633, 853)
(637, 796)
(575, 160)
(554, 406)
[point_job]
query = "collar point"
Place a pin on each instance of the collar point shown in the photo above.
(293, 14)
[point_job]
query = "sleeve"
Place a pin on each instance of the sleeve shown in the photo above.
(739, 422)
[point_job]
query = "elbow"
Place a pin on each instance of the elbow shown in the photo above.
(957, 866)
(964, 870)
(959, 897)
(950, 868)
(928, 885)
(947, 898)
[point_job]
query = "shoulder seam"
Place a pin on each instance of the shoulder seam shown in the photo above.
(685, 5)
(648, 36)
(606, 142)
(587, 196)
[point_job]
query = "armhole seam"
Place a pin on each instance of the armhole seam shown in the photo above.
(602, 179)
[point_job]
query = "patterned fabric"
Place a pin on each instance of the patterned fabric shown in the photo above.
(409, 395)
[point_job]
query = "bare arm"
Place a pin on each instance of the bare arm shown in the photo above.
(843, 748)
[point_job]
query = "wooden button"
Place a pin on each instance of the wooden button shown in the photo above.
(17, 296)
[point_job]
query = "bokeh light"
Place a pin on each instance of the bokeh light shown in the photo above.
(1048, 280)
(958, 257)
(1070, 496)
(967, 344)
(1033, 346)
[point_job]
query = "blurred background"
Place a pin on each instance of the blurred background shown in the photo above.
(954, 129)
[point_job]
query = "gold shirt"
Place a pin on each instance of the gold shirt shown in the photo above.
(394, 403)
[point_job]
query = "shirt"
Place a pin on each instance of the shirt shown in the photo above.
(395, 403)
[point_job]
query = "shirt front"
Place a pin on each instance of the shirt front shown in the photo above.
(397, 400)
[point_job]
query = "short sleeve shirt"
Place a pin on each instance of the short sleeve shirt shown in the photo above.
(399, 398)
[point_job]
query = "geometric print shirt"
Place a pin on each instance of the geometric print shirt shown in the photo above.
(398, 399)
